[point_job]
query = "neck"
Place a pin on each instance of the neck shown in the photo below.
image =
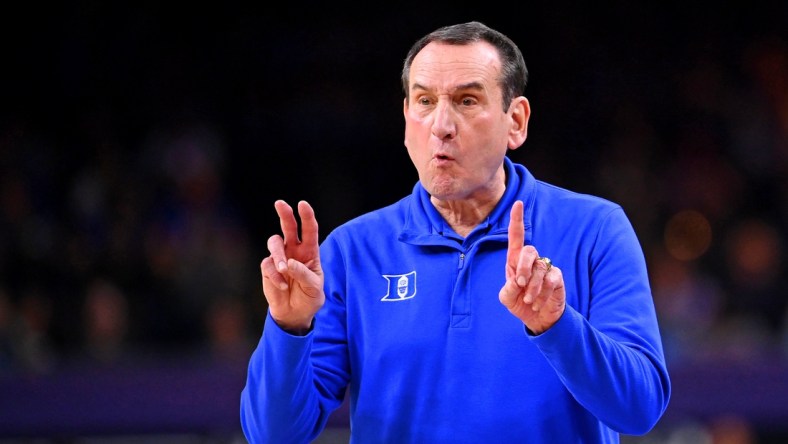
(465, 214)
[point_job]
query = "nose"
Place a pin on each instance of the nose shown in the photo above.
(443, 121)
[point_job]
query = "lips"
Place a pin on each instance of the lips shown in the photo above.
(442, 160)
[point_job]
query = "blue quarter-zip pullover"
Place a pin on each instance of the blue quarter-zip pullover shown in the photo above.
(413, 326)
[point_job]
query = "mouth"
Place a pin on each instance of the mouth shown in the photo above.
(442, 157)
(442, 160)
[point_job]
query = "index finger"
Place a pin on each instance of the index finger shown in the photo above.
(516, 235)
(287, 221)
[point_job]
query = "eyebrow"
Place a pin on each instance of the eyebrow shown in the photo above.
(463, 86)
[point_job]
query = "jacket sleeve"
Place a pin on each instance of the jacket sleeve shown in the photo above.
(611, 359)
(295, 382)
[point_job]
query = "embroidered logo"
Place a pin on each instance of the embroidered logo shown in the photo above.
(401, 286)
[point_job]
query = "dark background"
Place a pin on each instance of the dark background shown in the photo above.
(142, 147)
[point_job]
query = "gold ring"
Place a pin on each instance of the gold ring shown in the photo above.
(547, 262)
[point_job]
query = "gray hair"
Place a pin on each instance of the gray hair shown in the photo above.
(514, 74)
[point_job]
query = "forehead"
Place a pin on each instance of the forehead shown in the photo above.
(441, 66)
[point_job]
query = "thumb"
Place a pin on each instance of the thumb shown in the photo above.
(309, 280)
(509, 293)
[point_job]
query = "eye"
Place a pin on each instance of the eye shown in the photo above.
(468, 101)
(423, 100)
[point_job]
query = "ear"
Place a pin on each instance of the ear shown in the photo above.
(520, 112)
(405, 115)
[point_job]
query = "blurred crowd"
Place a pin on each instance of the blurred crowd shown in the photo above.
(111, 250)
(116, 256)
(107, 248)
(712, 211)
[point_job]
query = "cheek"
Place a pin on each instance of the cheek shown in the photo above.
(418, 156)
(415, 132)
(416, 122)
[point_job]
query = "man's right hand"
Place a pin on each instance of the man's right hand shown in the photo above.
(292, 274)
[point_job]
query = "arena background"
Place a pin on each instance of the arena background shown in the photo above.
(142, 147)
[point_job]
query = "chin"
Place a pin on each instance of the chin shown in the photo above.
(445, 192)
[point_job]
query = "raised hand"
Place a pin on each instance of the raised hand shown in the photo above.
(534, 290)
(292, 274)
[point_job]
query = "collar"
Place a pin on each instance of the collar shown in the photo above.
(424, 225)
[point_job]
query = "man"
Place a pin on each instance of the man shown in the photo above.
(438, 311)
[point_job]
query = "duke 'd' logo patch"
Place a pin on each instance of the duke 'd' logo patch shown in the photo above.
(400, 286)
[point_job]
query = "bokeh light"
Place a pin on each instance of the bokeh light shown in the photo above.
(687, 235)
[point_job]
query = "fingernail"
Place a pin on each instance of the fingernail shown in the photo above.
(521, 281)
(282, 266)
(283, 286)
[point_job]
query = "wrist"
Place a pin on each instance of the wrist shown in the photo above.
(296, 328)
